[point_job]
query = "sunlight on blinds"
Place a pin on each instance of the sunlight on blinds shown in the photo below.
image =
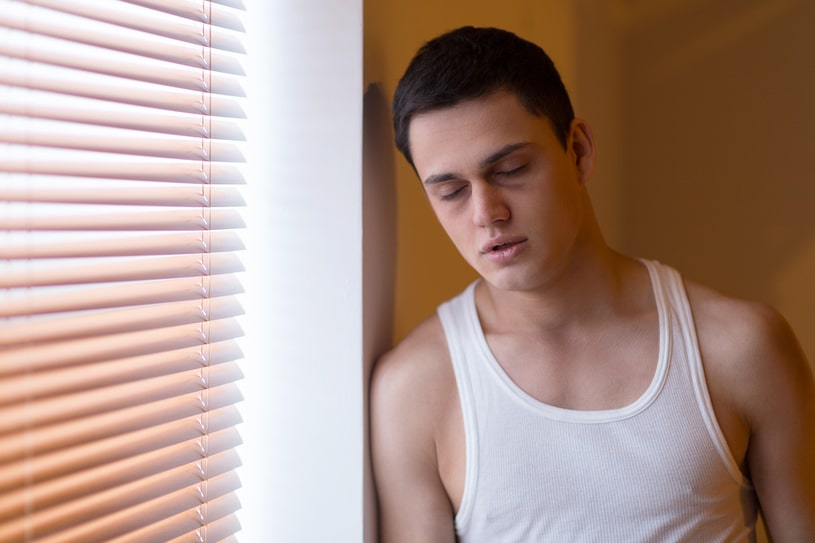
(121, 173)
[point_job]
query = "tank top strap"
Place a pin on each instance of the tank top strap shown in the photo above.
(684, 331)
(460, 322)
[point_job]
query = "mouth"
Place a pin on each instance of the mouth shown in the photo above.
(504, 245)
(501, 245)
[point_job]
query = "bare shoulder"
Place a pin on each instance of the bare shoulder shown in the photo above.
(763, 392)
(410, 391)
(410, 394)
(410, 382)
(749, 342)
(415, 369)
(424, 343)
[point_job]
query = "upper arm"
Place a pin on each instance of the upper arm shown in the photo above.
(779, 399)
(413, 505)
(763, 393)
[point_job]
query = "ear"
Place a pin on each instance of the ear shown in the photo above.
(581, 147)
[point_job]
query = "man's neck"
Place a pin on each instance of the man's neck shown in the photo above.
(591, 288)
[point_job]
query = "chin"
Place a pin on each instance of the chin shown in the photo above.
(509, 280)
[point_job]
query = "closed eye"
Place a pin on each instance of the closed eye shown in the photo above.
(511, 172)
(451, 195)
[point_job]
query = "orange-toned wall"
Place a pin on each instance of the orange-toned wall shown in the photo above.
(719, 138)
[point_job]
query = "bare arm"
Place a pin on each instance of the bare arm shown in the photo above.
(764, 397)
(413, 505)
(781, 415)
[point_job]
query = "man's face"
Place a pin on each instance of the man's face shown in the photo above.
(504, 189)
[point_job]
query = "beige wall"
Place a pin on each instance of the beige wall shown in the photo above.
(719, 136)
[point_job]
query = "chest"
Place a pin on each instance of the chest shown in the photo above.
(646, 478)
(611, 370)
(603, 368)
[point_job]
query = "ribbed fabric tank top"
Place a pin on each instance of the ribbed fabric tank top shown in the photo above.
(657, 470)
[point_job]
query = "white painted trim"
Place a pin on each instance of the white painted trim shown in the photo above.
(304, 418)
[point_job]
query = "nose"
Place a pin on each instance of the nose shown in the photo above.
(489, 205)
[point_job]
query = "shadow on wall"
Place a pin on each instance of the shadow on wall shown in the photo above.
(719, 132)
(378, 252)
(379, 222)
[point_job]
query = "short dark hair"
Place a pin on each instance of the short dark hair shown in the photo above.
(469, 63)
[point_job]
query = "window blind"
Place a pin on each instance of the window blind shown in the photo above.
(120, 238)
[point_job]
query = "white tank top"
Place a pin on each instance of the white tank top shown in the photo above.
(657, 470)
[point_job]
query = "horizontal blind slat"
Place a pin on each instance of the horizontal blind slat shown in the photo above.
(123, 478)
(70, 325)
(45, 272)
(195, 10)
(222, 16)
(48, 218)
(26, 56)
(95, 349)
(122, 142)
(224, 523)
(236, 4)
(220, 530)
(66, 461)
(108, 514)
(100, 427)
(152, 512)
(148, 20)
(96, 402)
(62, 218)
(73, 407)
(147, 169)
(231, 538)
(60, 80)
(118, 423)
(141, 245)
(218, 15)
(59, 299)
(186, 527)
(145, 43)
(36, 104)
(58, 190)
(41, 384)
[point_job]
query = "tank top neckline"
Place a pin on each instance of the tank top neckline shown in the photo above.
(578, 415)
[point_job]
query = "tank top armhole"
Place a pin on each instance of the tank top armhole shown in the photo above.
(453, 316)
(697, 372)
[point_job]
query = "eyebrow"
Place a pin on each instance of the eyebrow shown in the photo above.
(491, 159)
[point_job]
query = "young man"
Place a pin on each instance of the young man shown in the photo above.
(572, 393)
